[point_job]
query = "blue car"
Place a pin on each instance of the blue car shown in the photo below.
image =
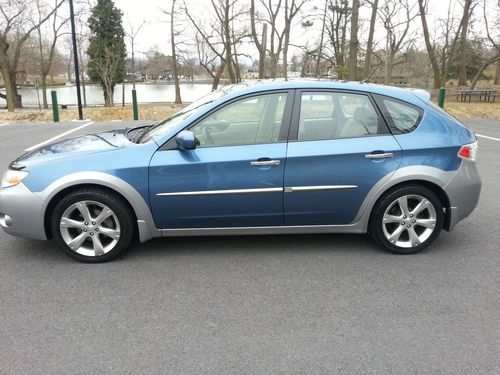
(254, 158)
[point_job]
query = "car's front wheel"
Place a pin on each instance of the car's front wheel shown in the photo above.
(92, 225)
(407, 219)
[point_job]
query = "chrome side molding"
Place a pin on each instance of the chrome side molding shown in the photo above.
(229, 191)
(288, 189)
(291, 189)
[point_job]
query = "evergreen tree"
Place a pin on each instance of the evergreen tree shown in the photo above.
(106, 48)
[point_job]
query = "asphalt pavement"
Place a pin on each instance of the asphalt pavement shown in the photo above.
(302, 304)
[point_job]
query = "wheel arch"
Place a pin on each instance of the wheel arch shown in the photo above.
(51, 205)
(435, 188)
(140, 209)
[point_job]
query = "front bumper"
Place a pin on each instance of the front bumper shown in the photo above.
(463, 191)
(21, 213)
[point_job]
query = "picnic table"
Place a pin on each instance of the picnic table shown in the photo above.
(486, 95)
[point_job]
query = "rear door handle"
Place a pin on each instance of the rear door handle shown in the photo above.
(264, 163)
(382, 155)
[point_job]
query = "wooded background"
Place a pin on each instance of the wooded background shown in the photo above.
(396, 42)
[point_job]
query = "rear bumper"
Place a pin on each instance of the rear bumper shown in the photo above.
(21, 213)
(463, 191)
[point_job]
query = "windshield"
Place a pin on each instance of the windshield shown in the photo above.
(157, 131)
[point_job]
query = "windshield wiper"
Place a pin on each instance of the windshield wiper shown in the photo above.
(140, 134)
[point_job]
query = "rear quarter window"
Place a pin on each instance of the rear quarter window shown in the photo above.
(401, 116)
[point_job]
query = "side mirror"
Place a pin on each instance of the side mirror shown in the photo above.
(185, 140)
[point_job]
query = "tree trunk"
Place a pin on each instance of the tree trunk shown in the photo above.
(9, 79)
(9, 93)
(497, 74)
(481, 70)
(228, 42)
(43, 83)
(388, 68)
(320, 47)
(175, 69)
(261, 45)
(17, 98)
(218, 74)
(262, 53)
(303, 69)
(68, 71)
(285, 50)
(84, 88)
(462, 74)
(354, 42)
(108, 95)
(429, 46)
(369, 45)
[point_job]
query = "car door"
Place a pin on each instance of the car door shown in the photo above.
(234, 177)
(339, 148)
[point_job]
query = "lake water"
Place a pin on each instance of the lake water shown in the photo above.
(146, 93)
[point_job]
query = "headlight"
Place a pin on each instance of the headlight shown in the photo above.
(12, 178)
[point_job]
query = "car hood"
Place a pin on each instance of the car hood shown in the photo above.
(78, 145)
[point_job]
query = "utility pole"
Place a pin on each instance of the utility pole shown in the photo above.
(75, 56)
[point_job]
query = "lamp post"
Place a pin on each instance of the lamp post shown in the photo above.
(75, 56)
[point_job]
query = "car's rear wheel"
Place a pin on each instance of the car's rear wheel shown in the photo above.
(92, 225)
(407, 219)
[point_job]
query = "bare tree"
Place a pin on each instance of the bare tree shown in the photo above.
(462, 73)
(337, 20)
(272, 10)
(220, 36)
(15, 15)
(292, 8)
(396, 16)
(82, 40)
(209, 61)
(321, 41)
(131, 34)
(369, 43)
(354, 42)
(259, 44)
(495, 43)
(46, 57)
(279, 38)
(175, 65)
(441, 54)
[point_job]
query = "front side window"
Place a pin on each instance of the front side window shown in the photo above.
(247, 121)
(325, 115)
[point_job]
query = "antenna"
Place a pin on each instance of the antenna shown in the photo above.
(366, 80)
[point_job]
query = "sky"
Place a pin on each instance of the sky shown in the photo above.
(155, 32)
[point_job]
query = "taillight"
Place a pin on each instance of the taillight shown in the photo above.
(468, 152)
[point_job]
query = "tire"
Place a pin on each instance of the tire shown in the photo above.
(407, 230)
(92, 225)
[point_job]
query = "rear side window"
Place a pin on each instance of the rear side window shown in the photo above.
(402, 117)
(333, 115)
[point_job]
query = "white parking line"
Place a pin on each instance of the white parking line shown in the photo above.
(487, 137)
(5, 123)
(58, 136)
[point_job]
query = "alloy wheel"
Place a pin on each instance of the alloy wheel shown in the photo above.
(90, 228)
(409, 221)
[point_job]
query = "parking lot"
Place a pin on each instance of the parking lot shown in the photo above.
(308, 304)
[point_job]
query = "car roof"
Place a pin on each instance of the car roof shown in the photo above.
(414, 96)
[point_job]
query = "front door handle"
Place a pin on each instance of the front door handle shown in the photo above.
(382, 155)
(264, 163)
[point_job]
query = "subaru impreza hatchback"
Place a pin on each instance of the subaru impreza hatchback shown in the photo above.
(254, 158)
